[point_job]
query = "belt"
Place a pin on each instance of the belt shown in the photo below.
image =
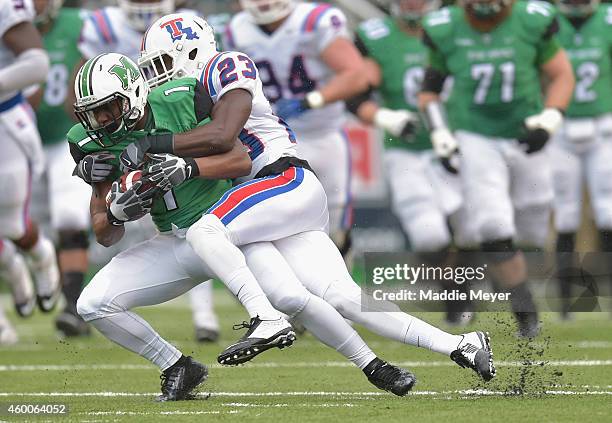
(11, 102)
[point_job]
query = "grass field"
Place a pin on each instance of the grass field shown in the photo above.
(564, 376)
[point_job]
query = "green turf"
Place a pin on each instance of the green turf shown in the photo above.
(309, 382)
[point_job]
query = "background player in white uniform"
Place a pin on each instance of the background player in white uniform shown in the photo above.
(120, 29)
(284, 202)
(22, 64)
(307, 64)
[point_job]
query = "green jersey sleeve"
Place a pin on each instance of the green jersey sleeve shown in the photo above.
(438, 35)
(539, 20)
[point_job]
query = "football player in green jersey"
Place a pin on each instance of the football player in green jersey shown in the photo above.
(582, 150)
(496, 51)
(396, 58)
(67, 197)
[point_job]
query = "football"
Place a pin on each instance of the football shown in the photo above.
(128, 180)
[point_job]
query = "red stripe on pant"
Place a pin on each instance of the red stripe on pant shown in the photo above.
(241, 194)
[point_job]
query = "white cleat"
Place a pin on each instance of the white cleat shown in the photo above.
(18, 276)
(47, 279)
(474, 351)
(8, 336)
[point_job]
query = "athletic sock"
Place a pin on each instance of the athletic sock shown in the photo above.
(72, 286)
(329, 327)
(133, 333)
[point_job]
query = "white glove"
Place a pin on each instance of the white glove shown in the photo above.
(549, 119)
(446, 148)
(399, 123)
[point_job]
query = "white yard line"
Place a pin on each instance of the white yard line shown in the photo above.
(303, 364)
(469, 392)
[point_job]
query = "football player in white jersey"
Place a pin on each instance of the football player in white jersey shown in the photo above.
(23, 63)
(281, 200)
(119, 29)
(308, 65)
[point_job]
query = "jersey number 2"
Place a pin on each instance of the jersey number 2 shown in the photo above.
(227, 69)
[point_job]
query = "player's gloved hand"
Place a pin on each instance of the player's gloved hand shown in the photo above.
(130, 205)
(290, 108)
(540, 128)
(94, 167)
(133, 156)
(399, 123)
(168, 171)
(446, 148)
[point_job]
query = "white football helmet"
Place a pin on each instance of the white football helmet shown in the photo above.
(141, 13)
(176, 46)
(267, 11)
(109, 84)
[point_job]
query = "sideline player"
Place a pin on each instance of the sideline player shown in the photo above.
(23, 63)
(395, 65)
(112, 106)
(582, 151)
(68, 207)
(496, 51)
(289, 211)
(308, 65)
(119, 29)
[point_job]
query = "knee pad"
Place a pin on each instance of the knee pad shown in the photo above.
(88, 307)
(342, 299)
(428, 233)
(500, 250)
(290, 303)
(73, 240)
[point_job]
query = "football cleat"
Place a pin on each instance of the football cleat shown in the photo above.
(18, 275)
(70, 324)
(261, 336)
(206, 335)
(179, 380)
(528, 324)
(389, 378)
(47, 279)
(8, 336)
(474, 351)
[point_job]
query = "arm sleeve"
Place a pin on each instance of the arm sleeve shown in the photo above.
(330, 25)
(229, 71)
(202, 103)
(13, 13)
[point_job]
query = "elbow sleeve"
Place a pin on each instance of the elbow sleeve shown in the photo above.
(29, 68)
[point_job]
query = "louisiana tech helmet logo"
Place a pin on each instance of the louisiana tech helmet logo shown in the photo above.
(176, 30)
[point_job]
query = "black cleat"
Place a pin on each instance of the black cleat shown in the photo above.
(206, 335)
(261, 336)
(474, 352)
(389, 378)
(528, 324)
(70, 324)
(178, 381)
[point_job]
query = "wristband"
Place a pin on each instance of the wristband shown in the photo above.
(112, 219)
(161, 143)
(191, 168)
(315, 100)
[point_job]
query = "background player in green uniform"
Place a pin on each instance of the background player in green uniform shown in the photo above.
(396, 59)
(67, 197)
(582, 151)
(496, 51)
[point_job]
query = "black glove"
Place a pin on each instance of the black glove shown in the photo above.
(94, 167)
(134, 154)
(533, 140)
(168, 171)
(132, 204)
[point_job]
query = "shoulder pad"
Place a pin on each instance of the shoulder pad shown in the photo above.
(439, 24)
(535, 16)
